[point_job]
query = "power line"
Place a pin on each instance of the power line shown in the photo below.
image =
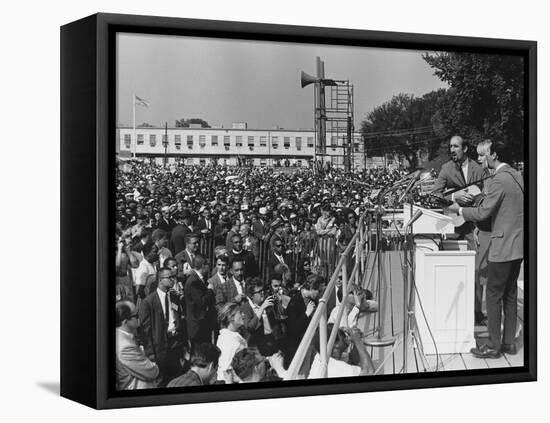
(389, 131)
(388, 147)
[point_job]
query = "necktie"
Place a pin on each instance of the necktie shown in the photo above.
(166, 308)
(459, 165)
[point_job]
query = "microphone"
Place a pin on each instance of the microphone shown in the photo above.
(414, 179)
(414, 218)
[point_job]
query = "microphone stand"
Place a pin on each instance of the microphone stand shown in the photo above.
(376, 339)
(409, 290)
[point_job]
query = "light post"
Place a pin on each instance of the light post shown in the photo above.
(165, 143)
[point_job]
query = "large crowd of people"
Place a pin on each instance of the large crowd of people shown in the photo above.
(219, 269)
(234, 258)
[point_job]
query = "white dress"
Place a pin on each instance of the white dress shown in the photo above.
(229, 344)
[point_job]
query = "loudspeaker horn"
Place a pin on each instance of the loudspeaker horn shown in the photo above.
(307, 79)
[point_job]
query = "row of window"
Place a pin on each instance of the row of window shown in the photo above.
(214, 139)
(203, 162)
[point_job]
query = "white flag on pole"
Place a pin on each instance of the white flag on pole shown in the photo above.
(141, 102)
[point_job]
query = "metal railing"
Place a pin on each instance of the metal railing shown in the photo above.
(322, 253)
(319, 318)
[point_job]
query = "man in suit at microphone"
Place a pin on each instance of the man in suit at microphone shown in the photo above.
(457, 173)
(504, 205)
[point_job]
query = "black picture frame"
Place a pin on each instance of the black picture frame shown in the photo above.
(88, 103)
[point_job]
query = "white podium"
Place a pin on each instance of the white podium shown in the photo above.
(430, 222)
(445, 285)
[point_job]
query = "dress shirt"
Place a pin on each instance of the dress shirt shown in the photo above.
(145, 269)
(239, 286)
(465, 170)
(280, 258)
(171, 318)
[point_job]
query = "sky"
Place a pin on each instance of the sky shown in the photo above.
(224, 81)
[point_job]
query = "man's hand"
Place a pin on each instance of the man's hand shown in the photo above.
(268, 302)
(356, 335)
(464, 198)
(454, 208)
(238, 298)
(210, 286)
(310, 308)
(187, 269)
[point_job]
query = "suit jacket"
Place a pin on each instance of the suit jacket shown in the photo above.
(201, 226)
(260, 229)
(223, 292)
(220, 232)
(451, 176)
(273, 261)
(177, 239)
(504, 204)
(183, 257)
(250, 266)
(154, 328)
(200, 307)
(253, 326)
(133, 369)
(166, 225)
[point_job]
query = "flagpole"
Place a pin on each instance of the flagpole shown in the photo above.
(134, 120)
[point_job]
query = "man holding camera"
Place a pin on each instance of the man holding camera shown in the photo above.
(262, 323)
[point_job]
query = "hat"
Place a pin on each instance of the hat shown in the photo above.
(262, 210)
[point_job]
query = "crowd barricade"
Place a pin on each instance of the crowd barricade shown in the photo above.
(347, 277)
(207, 248)
(326, 255)
(321, 251)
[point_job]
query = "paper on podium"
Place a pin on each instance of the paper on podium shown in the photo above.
(430, 222)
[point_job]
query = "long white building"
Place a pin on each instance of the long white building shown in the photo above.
(238, 145)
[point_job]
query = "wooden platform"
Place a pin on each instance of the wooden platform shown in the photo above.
(388, 290)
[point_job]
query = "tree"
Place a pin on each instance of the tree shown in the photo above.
(485, 98)
(405, 125)
(185, 123)
(145, 125)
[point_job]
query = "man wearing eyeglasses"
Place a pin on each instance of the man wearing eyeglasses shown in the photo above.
(159, 317)
(277, 256)
(258, 326)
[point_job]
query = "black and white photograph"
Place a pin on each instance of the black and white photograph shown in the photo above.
(297, 211)
(306, 211)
